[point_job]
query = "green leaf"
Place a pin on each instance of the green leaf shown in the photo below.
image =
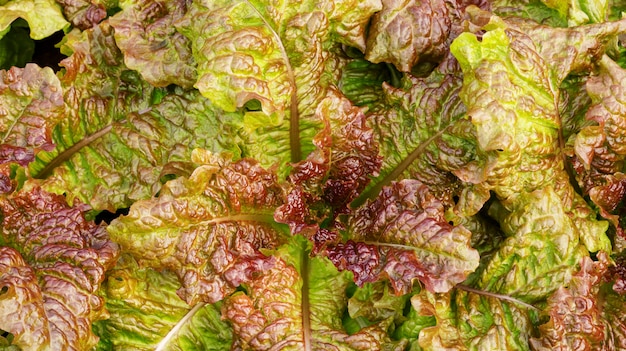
(542, 249)
(207, 228)
(362, 82)
(120, 135)
(44, 17)
(554, 12)
(144, 309)
(515, 113)
(376, 302)
(468, 321)
(422, 133)
(52, 262)
(16, 47)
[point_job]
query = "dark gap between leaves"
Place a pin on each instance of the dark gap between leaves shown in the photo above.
(46, 54)
(7, 336)
(108, 216)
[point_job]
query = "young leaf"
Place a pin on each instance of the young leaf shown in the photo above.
(207, 228)
(52, 262)
(336, 172)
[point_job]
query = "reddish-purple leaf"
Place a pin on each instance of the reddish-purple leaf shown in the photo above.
(52, 262)
(576, 321)
(407, 237)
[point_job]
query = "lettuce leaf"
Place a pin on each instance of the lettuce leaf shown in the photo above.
(315, 175)
(44, 17)
(278, 56)
(120, 135)
(52, 263)
(406, 237)
(408, 32)
(145, 33)
(31, 104)
(272, 313)
(83, 14)
(145, 312)
(208, 228)
(599, 155)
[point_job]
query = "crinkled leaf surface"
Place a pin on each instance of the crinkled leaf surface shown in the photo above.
(575, 313)
(144, 309)
(554, 12)
(31, 103)
(207, 228)
(145, 33)
(44, 17)
(273, 312)
(336, 172)
(52, 262)
(279, 54)
(422, 133)
(466, 321)
(516, 116)
(120, 133)
(406, 237)
(599, 151)
(547, 246)
(83, 14)
(407, 32)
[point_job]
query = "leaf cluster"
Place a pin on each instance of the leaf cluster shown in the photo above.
(313, 175)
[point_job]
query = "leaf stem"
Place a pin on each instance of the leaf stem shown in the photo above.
(497, 296)
(306, 315)
(174, 331)
(294, 117)
(372, 192)
(68, 153)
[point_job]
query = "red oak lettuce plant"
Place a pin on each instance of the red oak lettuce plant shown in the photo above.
(313, 175)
